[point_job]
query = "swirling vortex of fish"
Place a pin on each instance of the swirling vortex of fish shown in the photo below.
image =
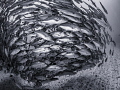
(43, 39)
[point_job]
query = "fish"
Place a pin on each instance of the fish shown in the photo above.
(77, 3)
(86, 31)
(53, 68)
(44, 35)
(62, 1)
(6, 52)
(41, 78)
(20, 42)
(112, 52)
(15, 51)
(71, 55)
(58, 34)
(55, 47)
(73, 19)
(29, 15)
(106, 59)
(90, 45)
(25, 11)
(79, 34)
(70, 12)
(12, 41)
(44, 17)
(87, 25)
(22, 53)
(80, 46)
(113, 42)
(41, 50)
(24, 60)
(69, 34)
(101, 22)
(39, 65)
(65, 40)
(70, 27)
(14, 11)
(104, 8)
(18, 85)
(97, 44)
(76, 64)
(85, 52)
(37, 41)
(46, 46)
(93, 3)
(31, 6)
(54, 20)
(25, 3)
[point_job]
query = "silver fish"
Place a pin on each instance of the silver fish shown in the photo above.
(70, 27)
(87, 25)
(70, 34)
(93, 3)
(90, 45)
(71, 55)
(13, 40)
(58, 34)
(86, 31)
(53, 68)
(41, 78)
(104, 8)
(65, 40)
(79, 34)
(55, 47)
(24, 60)
(44, 35)
(15, 51)
(44, 17)
(74, 19)
(98, 44)
(101, 22)
(46, 46)
(70, 13)
(42, 50)
(54, 20)
(38, 65)
(85, 52)
(80, 46)
(62, 1)
(22, 53)
(36, 41)
(20, 42)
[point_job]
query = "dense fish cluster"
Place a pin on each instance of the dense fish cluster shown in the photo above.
(43, 39)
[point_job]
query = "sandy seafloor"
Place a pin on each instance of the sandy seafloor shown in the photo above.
(106, 77)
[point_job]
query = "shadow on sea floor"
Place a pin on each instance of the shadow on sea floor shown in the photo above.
(81, 83)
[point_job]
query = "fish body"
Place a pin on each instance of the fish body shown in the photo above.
(70, 27)
(73, 19)
(44, 35)
(58, 34)
(54, 20)
(38, 65)
(104, 8)
(85, 52)
(42, 50)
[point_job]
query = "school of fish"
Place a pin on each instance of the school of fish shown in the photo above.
(42, 39)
